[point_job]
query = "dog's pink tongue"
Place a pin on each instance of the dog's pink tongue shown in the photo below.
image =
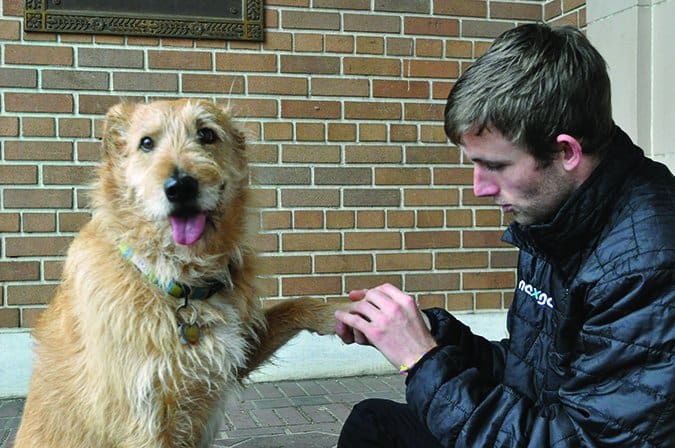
(187, 231)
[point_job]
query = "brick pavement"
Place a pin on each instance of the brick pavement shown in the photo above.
(285, 414)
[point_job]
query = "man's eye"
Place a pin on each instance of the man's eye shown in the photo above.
(147, 144)
(494, 166)
(206, 136)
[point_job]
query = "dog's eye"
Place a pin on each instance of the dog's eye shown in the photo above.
(206, 136)
(147, 144)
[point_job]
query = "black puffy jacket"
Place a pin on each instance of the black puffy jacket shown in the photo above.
(589, 360)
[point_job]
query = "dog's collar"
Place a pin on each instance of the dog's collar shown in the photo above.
(172, 288)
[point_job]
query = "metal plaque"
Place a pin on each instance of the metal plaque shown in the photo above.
(197, 19)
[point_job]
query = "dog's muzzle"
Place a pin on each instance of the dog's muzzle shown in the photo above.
(187, 219)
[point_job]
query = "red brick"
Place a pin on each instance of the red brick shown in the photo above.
(281, 85)
(37, 198)
(460, 302)
(310, 241)
(400, 219)
(9, 317)
(310, 109)
(312, 20)
(233, 62)
(430, 197)
(372, 111)
(461, 260)
(468, 8)
(38, 55)
(369, 23)
(372, 240)
(418, 68)
(308, 219)
(431, 239)
(431, 26)
(286, 264)
(314, 197)
(453, 176)
(307, 132)
(278, 41)
(488, 301)
(67, 175)
(145, 82)
(429, 48)
(400, 89)
(510, 10)
(341, 132)
(369, 45)
(402, 176)
(36, 246)
(407, 261)
(310, 154)
(354, 282)
(10, 29)
(430, 218)
(372, 66)
(73, 221)
(370, 219)
(343, 263)
(9, 126)
(399, 46)
(339, 87)
(342, 176)
(39, 102)
(250, 107)
(9, 222)
(38, 127)
(18, 174)
(74, 80)
(432, 282)
(310, 64)
(372, 197)
(488, 280)
(13, 271)
(39, 222)
(503, 258)
(179, 60)
(339, 44)
(424, 111)
(196, 83)
(312, 285)
(373, 154)
(18, 77)
(484, 28)
(30, 294)
(339, 219)
(342, 4)
(482, 238)
(432, 155)
(458, 218)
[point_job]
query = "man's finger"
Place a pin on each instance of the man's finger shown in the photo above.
(357, 294)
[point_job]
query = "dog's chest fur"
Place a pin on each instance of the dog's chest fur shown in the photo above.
(174, 391)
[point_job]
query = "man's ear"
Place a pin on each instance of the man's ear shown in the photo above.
(571, 151)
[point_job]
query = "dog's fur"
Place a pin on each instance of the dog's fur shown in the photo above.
(110, 369)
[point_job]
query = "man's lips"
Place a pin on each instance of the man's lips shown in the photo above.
(506, 207)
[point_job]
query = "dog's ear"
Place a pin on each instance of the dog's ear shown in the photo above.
(115, 127)
(238, 133)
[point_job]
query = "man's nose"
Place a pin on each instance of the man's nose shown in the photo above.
(483, 184)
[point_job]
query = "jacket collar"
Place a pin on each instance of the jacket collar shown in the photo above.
(581, 218)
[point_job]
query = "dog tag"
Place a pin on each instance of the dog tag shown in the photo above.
(190, 333)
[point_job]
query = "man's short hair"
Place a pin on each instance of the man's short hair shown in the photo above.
(534, 83)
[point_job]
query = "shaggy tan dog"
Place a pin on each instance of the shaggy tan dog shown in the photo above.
(158, 318)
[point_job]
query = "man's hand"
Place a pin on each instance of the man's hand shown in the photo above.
(389, 319)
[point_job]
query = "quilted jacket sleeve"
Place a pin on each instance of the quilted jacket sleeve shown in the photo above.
(620, 390)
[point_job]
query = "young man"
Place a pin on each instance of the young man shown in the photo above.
(589, 360)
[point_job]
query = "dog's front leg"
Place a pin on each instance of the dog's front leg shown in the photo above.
(287, 319)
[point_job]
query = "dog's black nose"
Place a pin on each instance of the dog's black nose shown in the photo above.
(181, 188)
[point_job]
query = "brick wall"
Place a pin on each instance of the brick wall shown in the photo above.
(355, 181)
